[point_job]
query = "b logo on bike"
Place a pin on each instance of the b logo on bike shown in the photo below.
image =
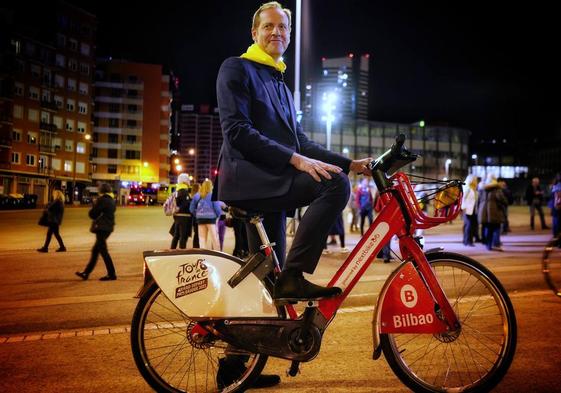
(408, 296)
(191, 277)
(408, 307)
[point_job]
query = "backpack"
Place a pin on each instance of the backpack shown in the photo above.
(205, 210)
(170, 205)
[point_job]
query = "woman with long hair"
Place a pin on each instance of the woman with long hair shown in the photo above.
(54, 213)
(206, 212)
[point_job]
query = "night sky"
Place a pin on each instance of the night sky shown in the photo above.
(493, 70)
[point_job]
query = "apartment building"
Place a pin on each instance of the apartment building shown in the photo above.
(199, 141)
(131, 125)
(47, 66)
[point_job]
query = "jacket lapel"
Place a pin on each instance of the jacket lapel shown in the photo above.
(268, 81)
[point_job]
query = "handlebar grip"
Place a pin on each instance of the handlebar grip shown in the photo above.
(398, 145)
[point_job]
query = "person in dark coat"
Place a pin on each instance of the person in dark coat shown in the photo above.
(182, 220)
(55, 211)
(535, 199)
(103, 215)
(491, 212)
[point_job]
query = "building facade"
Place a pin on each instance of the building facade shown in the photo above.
(131, 125)
(46, 101)
(443, 150)
(199, 141)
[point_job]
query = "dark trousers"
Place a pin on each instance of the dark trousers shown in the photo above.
(533, 208)
(181, 232)
(492, 235)
(470, 228)
(363, 215)
(325, 201)
(196, 243)
(241, 248)
(100, 247)
(53, 230)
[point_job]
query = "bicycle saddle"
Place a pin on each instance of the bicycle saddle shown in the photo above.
(242, 214)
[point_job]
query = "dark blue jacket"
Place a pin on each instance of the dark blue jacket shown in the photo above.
(259, 139)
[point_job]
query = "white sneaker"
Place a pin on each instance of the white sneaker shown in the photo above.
(344, 250)
(326, 251)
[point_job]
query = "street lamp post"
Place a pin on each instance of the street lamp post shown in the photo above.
(330, 99)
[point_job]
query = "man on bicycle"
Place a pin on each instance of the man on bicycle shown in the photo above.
(267, 164)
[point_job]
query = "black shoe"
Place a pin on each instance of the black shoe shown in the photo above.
(61, 249)
(108, 278)
(43, 249)
(83, 275)
(266, 381)
(231, 368)
(291, 286)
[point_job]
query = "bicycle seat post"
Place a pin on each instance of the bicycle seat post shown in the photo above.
(265, 243)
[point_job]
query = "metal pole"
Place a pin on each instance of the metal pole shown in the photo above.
(298, 22)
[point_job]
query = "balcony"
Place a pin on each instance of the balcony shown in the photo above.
(51, 105)
(6, 117)
(50, 127)
(5, 142)
(47, 149)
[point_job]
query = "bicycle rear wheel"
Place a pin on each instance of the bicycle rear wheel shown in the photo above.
(174, 354)
(476, 357)
(551, 265)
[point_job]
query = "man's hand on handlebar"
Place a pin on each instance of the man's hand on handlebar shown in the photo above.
(361, 166)
(314, 168)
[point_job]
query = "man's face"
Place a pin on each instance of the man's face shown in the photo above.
(273, 33)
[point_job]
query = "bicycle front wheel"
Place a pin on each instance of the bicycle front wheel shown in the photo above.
(551, 265)
(174, 354)
(472, 359)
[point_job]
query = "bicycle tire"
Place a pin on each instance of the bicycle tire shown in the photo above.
(479, 356)
(170, 361)
(551, 265)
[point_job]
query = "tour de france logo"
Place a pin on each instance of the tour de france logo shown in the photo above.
(409, 296)
(191, 277)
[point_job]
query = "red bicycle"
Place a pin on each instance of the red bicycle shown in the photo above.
(443, 321)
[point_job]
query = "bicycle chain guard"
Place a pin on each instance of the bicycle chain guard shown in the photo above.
(407, 306)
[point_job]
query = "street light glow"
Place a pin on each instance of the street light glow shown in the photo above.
(178, 168)
(145, 164)
(191, 152)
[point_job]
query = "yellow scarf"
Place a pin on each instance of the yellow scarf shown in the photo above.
(258, 55)
(110, 194)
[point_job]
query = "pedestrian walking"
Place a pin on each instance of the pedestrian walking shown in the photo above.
(102, 214)
(194, 190)
(469, 210)
(510, 199)
(182, 218)
(206, 212)
(337, 229)
(555, 205)
(534, 200)
(365, 203)
(52, 218)
(354, 209)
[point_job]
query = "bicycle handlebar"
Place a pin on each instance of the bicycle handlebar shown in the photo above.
(394, 158)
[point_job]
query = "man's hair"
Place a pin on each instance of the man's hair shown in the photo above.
(104, 188)
(266, 6)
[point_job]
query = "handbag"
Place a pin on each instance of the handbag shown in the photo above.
(44, 219)
(95, 224)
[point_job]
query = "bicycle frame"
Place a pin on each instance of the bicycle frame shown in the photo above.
(400, 216)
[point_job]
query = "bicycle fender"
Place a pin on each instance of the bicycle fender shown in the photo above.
(195, 281)
(405, 305)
